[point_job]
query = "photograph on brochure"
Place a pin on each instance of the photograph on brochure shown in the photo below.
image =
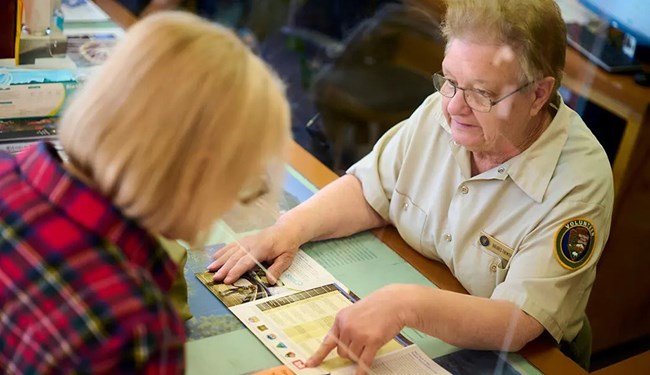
(252, 286)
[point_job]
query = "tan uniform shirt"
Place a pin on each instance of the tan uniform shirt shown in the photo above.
(529, 231)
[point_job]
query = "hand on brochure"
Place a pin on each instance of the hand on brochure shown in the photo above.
(360, 330)
(234, 259)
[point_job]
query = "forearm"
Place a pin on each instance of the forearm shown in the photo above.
(468, 321)
(338, 210)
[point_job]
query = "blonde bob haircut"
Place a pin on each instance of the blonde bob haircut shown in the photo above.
(176, 123)
(534, 28)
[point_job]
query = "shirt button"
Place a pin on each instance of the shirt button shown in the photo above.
(406, 206)
(447, 237)
(493, 268)
(464, 189)
(501, 170)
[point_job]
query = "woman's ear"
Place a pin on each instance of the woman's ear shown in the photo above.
(543, 91)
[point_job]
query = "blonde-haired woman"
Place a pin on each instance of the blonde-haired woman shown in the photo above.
(180, 122)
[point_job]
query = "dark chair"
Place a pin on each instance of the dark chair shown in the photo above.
(377, 77)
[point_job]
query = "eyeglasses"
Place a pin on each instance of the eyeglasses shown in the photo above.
(476, 99)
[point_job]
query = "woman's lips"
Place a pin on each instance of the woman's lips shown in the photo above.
(462, 124)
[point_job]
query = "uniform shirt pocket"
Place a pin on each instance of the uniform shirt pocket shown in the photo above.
(408, 218)
(480, 271)
(501, 252)
(502, 271)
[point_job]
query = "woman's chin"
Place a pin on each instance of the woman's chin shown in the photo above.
(469, 141)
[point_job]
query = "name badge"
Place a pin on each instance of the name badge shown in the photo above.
(495, 246)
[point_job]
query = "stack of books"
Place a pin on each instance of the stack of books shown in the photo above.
(17, 134)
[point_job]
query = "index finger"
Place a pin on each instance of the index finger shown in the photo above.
(330, 342)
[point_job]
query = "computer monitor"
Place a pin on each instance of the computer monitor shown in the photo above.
(630, 16)
(614, 54)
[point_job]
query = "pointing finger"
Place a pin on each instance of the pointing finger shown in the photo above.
(329, 343)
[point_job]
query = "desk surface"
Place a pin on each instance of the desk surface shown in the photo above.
(542, 353)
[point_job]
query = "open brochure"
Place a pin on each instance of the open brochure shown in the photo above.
(292, 317)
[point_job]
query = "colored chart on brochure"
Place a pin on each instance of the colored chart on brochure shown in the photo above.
(303, 319)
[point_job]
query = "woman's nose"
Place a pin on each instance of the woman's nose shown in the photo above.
(457, 104)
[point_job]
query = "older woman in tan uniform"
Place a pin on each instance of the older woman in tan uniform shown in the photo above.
(493, 175)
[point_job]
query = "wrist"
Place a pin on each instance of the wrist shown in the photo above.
(290, 231)
(411, 299)
(404, 304)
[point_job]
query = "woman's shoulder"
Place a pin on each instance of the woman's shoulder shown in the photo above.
(582, 148)
(583, 164)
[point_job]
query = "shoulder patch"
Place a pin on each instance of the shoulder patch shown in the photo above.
(574, 243)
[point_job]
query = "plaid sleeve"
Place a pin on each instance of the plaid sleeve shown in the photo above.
(149, 342)
(157, 357)
(147, 337)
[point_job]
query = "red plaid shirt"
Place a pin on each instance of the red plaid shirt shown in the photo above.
(82, 288)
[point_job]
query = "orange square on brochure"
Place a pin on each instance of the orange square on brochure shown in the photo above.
(280, 370)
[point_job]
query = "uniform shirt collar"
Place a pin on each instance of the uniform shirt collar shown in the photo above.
(540, 158)
(533, 169)
(41, 168)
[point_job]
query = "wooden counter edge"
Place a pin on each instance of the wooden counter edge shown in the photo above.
(117, 12)
(638, 364)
